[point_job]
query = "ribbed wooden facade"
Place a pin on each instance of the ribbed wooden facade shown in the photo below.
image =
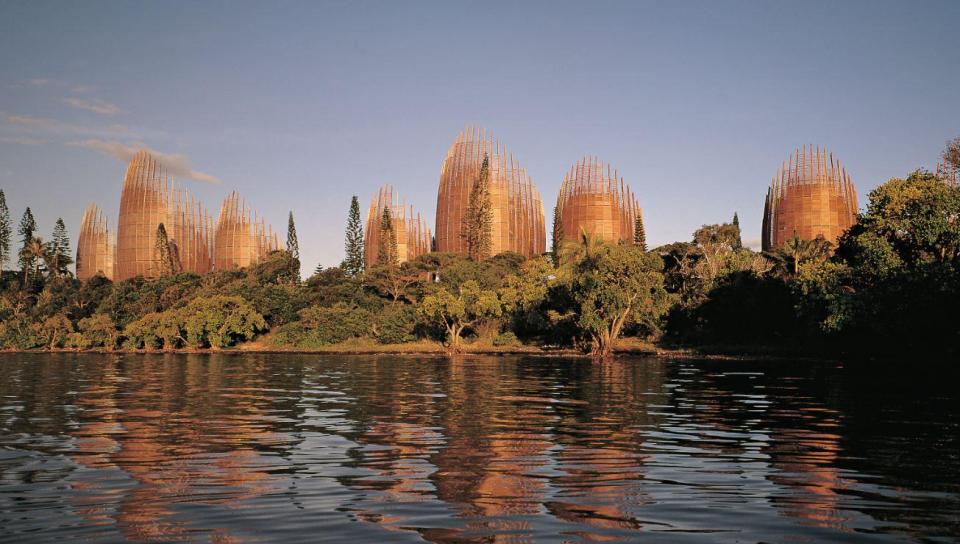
(811, 195)
(594, 199)
(148, 199)
(411, 231)
(947, 174)
(96, 248)
(518, 223)
(242, 237)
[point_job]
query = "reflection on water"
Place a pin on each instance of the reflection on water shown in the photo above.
(312, 448)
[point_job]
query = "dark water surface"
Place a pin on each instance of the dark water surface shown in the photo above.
(264, 448)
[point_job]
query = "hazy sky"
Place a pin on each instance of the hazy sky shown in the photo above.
(300, 105)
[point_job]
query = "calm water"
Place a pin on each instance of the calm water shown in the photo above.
(311, 448)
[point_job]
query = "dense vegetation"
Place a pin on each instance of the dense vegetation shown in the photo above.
(891, 287)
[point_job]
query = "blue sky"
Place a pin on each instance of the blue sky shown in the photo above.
(299, 105)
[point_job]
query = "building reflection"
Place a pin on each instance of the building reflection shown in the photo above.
(186, 432)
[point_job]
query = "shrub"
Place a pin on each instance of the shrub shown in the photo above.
(395, 324)
(506, 339)
(96, 331)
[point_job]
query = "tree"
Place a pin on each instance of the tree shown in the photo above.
(458, 312)
(353, 262)
(584, 248)
(59, 250)
(617, 286)
(33, 253)
(318, 269)
(557, 234)
(293, 247)
(639, 233)
(736, 223)
(167, 257)
(28, 227)
(387, 241)
(477, 228)
(797, 252)
(396, 281)
(6, 228)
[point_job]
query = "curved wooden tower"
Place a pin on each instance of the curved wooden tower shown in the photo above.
(242, 238)
(947, 173)
(811, 195)
(518, 223)
(593, 198)
(411, 231)
(95, 247)
(149, 199)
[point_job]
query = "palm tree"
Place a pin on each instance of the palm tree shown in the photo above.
(586, 247)
(34, 251)
(796, 251)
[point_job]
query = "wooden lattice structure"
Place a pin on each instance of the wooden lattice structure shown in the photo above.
(947, 174)
(811, 195)
(518, 223)
(594, 199)
(411, 231)
(96, 248)
(242, 237)
(148, 199)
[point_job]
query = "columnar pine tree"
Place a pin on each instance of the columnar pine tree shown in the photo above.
(6, 231)
(387, 248)
(293, 246)
(557, 234)
(477, 228)
(639, 233)
(353, 261)
(28, 226)
(59, 249)
(738, 243)
(162, 248)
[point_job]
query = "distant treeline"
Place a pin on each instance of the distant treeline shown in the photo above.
(890, 288)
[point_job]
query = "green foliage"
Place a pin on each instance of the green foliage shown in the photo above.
(506, 339)
(457, 312)
(396, 324)
(525, 296)
(28, 258)
(615, 286)
(97, 331)
(321, 326)
(218, 322)
(387, 241)
(168, 259)
(557, 234)
(477, 228)
(353, 263)
(6, 231)
(58, 250)
(640, 234)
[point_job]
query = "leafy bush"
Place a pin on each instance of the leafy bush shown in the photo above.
(321, 326)
(506, 339)
(396, 324)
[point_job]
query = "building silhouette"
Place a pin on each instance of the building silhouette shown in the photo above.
(812, 195)
(96, 248)
(412, 234)
(517, 222)
(595, 200)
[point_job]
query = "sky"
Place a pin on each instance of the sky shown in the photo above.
(300, 105)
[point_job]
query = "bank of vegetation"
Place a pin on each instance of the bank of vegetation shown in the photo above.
(890, 288)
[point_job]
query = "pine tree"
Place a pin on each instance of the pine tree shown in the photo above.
(6, 231)
(353, 262)
(59, 249)
(387, 247)
(639, 233)
(477, 228)
(557, 233)
(318, 269)
(293, 246)
(738, 243)
(165, 260)
(28, 226)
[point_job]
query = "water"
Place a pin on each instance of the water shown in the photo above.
(260, 448)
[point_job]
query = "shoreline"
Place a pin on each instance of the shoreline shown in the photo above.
(437, 350)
